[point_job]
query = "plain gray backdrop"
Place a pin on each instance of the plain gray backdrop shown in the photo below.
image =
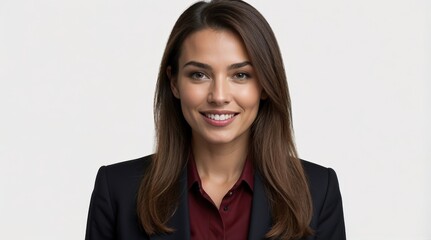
(76, 89)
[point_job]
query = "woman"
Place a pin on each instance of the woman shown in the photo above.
(225, 165)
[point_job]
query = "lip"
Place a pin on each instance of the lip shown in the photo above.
(218, 112)
(219, 123)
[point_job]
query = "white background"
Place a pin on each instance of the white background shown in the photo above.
(76, 91)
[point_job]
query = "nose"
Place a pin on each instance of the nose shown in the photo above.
(219, 93)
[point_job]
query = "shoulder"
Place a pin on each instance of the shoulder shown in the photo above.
(132, 167)
(122, 179)
(320, 179)
(317, 173)
(113, 201)
(313, 168)
(328, 220)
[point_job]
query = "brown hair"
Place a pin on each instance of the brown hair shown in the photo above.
(272, 145)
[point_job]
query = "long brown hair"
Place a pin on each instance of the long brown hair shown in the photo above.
(272, 144)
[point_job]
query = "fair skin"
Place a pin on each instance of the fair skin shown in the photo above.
(220, 96)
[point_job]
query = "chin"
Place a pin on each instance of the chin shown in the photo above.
(222, 139)
(218, 141)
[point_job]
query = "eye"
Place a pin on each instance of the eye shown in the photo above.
(198, 75)
(241, 75)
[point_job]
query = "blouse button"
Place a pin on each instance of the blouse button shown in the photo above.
(230, 193)
(226, 208)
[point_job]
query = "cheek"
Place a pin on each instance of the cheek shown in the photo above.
(191, 96)
(249, 97)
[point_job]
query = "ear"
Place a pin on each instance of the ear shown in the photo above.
(173, 82)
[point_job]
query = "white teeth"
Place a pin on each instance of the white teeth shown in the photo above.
(219, 117)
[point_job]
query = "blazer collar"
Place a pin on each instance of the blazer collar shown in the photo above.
(260, 222)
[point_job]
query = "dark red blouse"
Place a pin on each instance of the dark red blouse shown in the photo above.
(231, 221)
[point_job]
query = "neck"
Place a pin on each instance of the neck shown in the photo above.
(222, 161)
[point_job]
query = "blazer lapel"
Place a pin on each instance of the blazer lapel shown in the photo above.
(260, 222)
(180, 219)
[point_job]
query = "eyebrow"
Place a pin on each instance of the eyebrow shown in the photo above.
(208, 67)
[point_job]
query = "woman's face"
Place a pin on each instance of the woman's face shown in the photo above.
(217, 87)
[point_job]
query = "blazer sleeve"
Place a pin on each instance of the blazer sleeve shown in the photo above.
(331, 219)
(100, 222)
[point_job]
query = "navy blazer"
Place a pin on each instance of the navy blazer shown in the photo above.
(112, 212)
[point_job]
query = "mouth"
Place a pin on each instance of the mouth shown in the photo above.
(219, 116)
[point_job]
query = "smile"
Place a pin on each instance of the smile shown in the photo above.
(219, 117)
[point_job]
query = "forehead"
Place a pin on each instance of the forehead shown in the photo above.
(213, 46)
